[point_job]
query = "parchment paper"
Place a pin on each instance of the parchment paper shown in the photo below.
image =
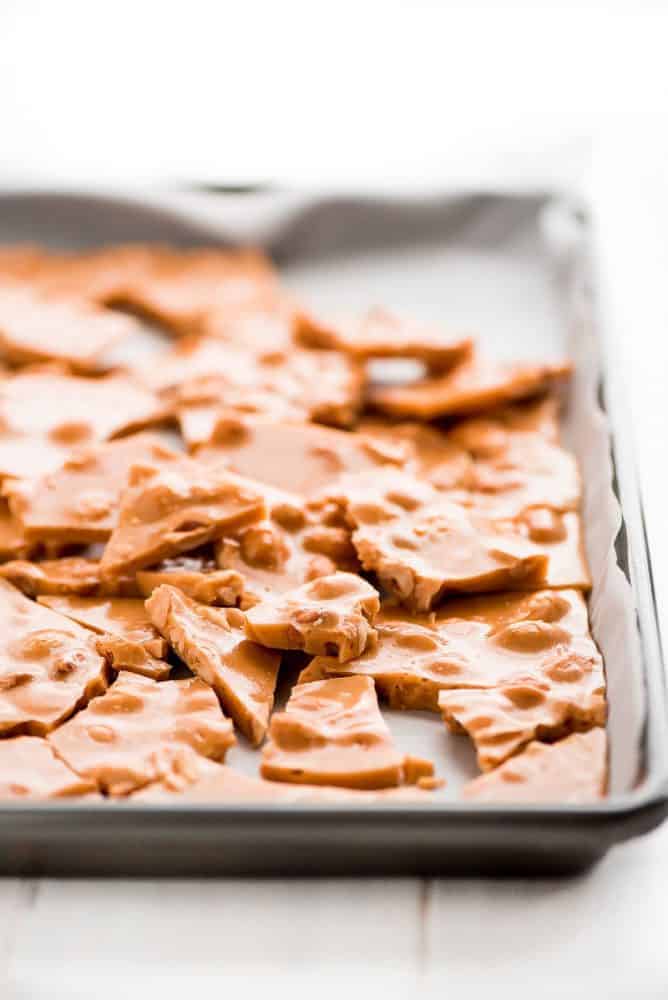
(513, 271)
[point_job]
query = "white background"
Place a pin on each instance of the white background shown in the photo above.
(379, 95)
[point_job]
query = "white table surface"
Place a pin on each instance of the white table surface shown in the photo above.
(602, 934)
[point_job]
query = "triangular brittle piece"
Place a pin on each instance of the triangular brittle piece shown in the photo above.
(471, 387)
(213, 643)
(572, 770)
(420, 557)
(182, 290)
(379, 334)
(130, 641)
(48, 665)
(332, 616)
(79, 502)
(126, 738)
(29, 769)
(477, 642)
(301, 459)
(68, 410)
(332, 733)
(174, 506)
(34, 328)
(502, 720)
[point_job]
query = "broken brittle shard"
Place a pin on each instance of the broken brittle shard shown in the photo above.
(478, 642)
(172, 507)
(214, 644)
(29, 769)
(79, 501)
(380, 334)
(332, 733)
(332, 615)
(38, 328)
(125, 739)
(49, 666)
(129, 640)
(572, 770)
(470, 387)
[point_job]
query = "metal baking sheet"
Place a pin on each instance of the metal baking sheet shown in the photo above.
(516, 272)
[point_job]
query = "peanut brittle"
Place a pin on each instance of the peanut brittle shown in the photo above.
(332, 733)
(290, 547)
(79, 502)
(326, 389)
(34, 328)
(572, 770)
(422, 556)
(172, 507)
(471, 387)
(13, 542)
(197, 575)
(125, 739)
(379, 334)
(49, 666)
(330, 616)
(69, 575)
(299, 458)
(29, 769)
(199, 780)
(183, 290)
(568, 696)
(130, 642)
(44, 414)
(213, 643)
(432, 453)
(475, 642)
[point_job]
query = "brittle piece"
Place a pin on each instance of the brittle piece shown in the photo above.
(330, 616)
(79, 502)
(174, 506)
(292, 546)
(197, 575)
(299, 458)
(130, 642)
(314, 385)
(94, 275)
(200, 780)
(568, 696)
(34, 328)
(572, 770)
(213, 643)
(48, 665)
(69, 575)
(514, 469)
(332, 733)
(202, 423)
(422, 556)
(433, 454)
(29, 769)
(126, 738)
(66, 410)
(13, 542)
(476, 642)
(182, 289)
(379, 334)
(471, 387)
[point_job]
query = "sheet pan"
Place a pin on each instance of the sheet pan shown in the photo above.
(518, 273)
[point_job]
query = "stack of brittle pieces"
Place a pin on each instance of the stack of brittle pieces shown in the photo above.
(247, 510)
